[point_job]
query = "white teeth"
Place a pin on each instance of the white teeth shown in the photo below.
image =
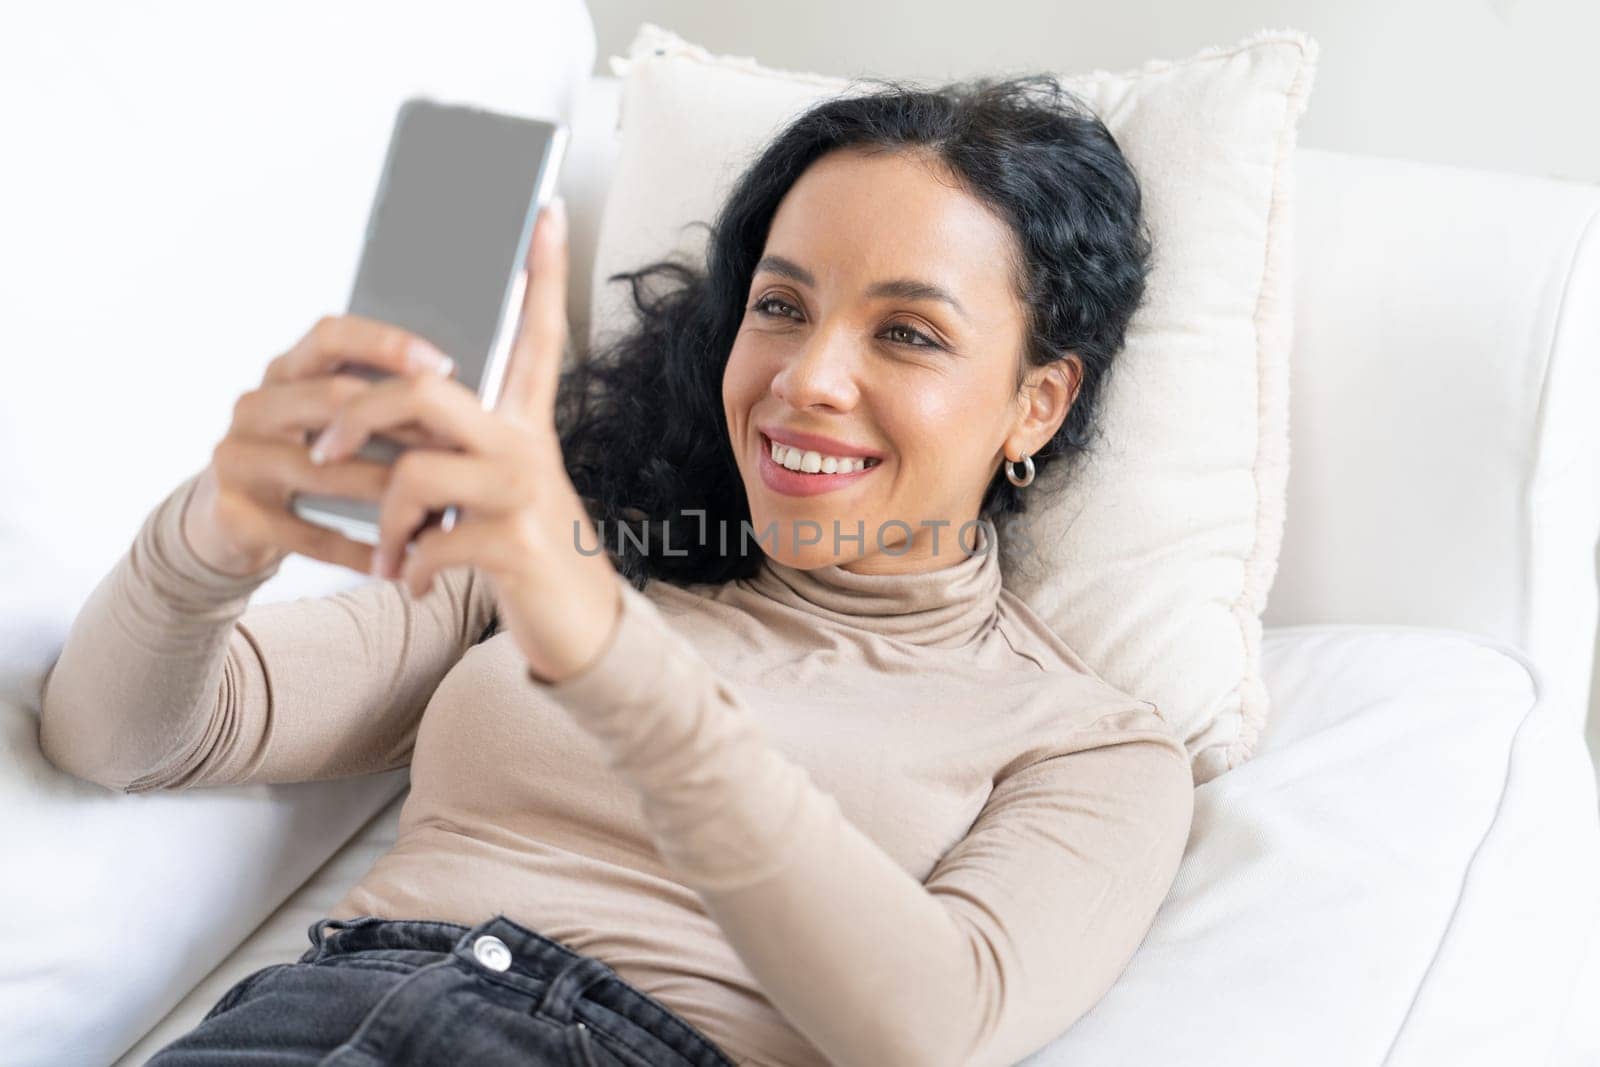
(810, 462)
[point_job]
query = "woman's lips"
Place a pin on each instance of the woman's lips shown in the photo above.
(781, 479)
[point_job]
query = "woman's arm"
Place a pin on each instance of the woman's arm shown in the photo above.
(169, 680)
(1019, 929)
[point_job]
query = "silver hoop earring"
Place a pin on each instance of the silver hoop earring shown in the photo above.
(1027, 476)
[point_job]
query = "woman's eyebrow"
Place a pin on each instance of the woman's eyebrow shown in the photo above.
(904, 288)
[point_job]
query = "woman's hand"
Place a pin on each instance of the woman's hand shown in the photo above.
(238, 521)
(520, 519)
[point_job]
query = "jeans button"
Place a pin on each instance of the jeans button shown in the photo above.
(492, 953)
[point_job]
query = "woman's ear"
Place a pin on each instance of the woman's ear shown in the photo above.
(1048, 393)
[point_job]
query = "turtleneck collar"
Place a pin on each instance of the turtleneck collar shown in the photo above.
(946, 607)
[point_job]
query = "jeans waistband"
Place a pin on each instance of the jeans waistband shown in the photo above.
(539, 965)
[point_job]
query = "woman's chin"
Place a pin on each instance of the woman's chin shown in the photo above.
(807, 538)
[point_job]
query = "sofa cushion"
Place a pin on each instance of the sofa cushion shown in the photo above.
(186, 194)
(1393, 878)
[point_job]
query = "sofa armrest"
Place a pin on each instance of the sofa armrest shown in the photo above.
(1446, 463)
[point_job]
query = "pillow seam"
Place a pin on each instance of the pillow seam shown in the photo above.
(682, 49)
(1260, 563)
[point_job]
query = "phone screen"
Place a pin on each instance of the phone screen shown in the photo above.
(446, 240)
(445, 237)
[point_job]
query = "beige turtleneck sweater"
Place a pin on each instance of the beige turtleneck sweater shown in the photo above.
(822, 816)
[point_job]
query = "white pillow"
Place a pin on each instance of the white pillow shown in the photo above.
(187, 186)
(1154, 563)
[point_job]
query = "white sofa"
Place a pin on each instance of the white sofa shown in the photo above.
(1408, 871)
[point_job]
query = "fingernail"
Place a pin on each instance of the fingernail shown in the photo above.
(319, 447)
(380, 563)
(422, 356)
(558, 215)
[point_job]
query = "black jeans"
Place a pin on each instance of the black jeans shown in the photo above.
(402, 991)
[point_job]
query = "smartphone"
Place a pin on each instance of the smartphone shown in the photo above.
(445, 257)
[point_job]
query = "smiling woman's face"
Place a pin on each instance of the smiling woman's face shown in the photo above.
(848, 350)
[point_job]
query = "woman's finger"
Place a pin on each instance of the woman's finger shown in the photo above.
(447, 409)
(530, 388)
(299, 410)
(426, 481)
(474, 541)
(271, 525)
(410, 435)
(273, 471)
(288, 409)
(368, 342)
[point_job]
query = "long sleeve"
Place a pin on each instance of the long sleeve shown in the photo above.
(169, 680)
(1020, 928)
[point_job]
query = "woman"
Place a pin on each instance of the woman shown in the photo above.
(823, 790)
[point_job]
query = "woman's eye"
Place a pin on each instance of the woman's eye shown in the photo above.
(761, 306)
(923, 342)
(908, 336)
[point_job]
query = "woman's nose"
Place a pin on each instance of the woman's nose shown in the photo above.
(822, 372)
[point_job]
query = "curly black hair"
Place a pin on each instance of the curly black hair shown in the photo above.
(641, 421)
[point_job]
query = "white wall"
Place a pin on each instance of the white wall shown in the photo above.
(1507, 85)
(1501, 84)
